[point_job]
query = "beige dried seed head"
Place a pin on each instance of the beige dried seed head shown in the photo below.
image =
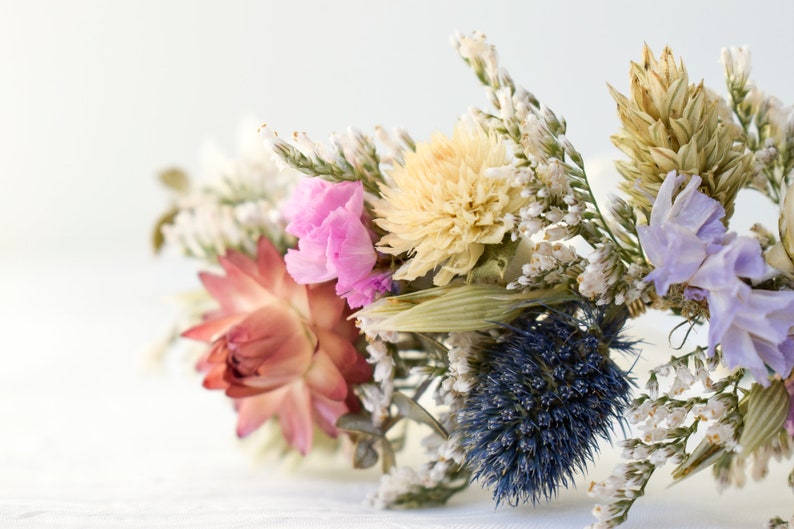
(669, 125)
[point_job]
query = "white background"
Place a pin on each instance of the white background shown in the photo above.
(96, 97)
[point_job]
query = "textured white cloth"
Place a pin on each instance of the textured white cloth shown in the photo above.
(92, 438)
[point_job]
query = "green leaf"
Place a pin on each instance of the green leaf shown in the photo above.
(767, 410)
(701, 457)
(494, 261)
(364, 456)
(411, 409)
(355, 423)
(454, 308)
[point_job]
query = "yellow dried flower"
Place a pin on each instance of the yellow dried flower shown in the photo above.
(669, 125)
(443, 207)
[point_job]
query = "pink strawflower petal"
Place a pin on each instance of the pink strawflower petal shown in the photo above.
(295, 417)
(327, 412)
(279, 348)
(324, 378)
(256, 410)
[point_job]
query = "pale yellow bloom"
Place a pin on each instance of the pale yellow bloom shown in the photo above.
(443, 209)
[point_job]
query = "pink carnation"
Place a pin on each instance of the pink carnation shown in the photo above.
(333, 240)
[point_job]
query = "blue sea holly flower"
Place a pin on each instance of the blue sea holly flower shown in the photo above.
(544, 397)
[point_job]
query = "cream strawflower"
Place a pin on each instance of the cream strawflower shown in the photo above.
(443, 207)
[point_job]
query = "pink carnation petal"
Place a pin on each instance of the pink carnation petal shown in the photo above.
(351, 253)
(308, 264)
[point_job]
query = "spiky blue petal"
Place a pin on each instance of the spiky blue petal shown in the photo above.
(544, 397)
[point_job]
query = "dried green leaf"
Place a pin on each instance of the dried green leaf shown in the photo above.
(701, 457)
(176, 179)
(454, 308)
(364, 456)
(388, 460)
(767, 410)
(411, 409)
(158, 240)
(355, 423)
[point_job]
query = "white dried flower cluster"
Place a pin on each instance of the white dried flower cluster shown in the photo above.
(446, 456)
(241, 203)
(204, 228)
(476, 50)
(393, 145)
(461, 376)
(654, 418)
(736, 62)
(393, 485)
(376, 398)
(665, 423)
(720, 412)
(767, 122)
(554, 207)
(351, 156)
(606, 279)
(618, 492)
(405, 485)
(684, 376)
(549, 265)
(735, 474)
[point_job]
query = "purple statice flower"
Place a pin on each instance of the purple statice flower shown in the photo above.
(687, 243)
(366, 289)
(681, 232)
(752, 326)
(334, 241)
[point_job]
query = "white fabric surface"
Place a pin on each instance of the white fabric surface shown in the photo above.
(91, 437)
(97, 96)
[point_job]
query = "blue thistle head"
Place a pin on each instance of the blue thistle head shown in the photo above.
(544, 397)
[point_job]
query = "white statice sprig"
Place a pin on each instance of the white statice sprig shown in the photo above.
(549, 264)
(665, 422)
(240, 202)
(549, 159)
(352, 156)
(767, 123)
(561, 204)
(607, 279)
(444, 473)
